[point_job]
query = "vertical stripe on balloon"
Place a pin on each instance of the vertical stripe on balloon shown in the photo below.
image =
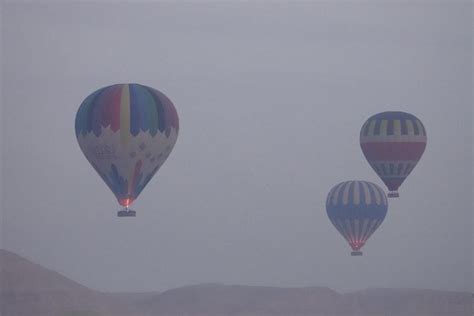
(420, 128)
(383, 128)
(397, 128)
(135, 119)
(336, 194)
(151, 112)
(345, 195)
(356, 193)
(410, 128)
(415, 126)
(403, 123)
(160, 111)
(125, 115)
(390, 127)
(378, 198)
(372, 127)
(399, 169)
(368, 200)
(111, 110)
(365, 128)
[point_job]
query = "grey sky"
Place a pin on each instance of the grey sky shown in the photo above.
(271, 98)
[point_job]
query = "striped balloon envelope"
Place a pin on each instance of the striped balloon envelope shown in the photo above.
(356, 209)
(393, 143)
(126, 132)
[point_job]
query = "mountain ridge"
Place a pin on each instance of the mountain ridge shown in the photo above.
(27, 288)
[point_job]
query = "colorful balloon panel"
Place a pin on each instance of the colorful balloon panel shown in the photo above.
(126, 131)
(356, 209)
(393, 143)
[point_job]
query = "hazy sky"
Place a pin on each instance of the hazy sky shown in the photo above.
(271, 98)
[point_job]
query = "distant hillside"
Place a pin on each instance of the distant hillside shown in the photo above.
(27, 289)
(410, 302)
(216, 299)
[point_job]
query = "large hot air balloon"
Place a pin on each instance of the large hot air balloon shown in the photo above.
(393, 143)
(356, 209)
(126, 132)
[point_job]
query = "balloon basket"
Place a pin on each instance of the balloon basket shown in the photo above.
(126, 213)
(393, 194)
(356, 253)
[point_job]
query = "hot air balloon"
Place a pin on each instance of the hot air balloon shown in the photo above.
(356, 209)
(393, 143)
(126, 132)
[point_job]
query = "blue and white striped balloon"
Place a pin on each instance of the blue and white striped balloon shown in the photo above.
(356, 209)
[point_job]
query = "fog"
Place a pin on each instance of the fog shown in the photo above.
(271, 98)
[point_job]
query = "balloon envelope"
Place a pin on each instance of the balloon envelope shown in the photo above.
(393, 143)
(356, 209)
(126, 132)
